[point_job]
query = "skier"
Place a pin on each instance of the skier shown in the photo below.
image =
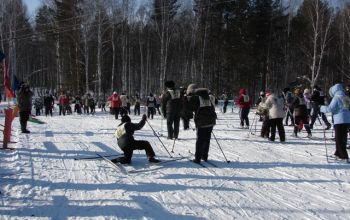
(244, 105)
(137, 105)
(38, 105)
(77, 106)
(49, 102)
(158, 101)
(91, 103)
(260, 99)
(300, 113)
(115, 104)
(124, 104)
(225, 99)
(264, 115)
(24, 102)
(205, 119)
(288, 98)
(339, 107)
(63, 102)
(171, 109)
(128, 144)
(274, 105)
(307, 98)
(151, 103)
(317, 99)
(186, 113)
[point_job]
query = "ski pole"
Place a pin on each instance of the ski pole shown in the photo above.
(325, 143)
(227, 161)
(251, 127)
(95, 157)
(172, 149)
(155, 134)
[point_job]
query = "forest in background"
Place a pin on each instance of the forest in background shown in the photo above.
(135, 46)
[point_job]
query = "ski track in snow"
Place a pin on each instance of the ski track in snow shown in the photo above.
(265, 180)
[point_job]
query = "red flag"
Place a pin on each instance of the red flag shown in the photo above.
(9, 92)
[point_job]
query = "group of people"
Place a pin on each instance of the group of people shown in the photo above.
(303, 108)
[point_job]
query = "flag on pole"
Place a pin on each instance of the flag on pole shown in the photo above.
(8, 90)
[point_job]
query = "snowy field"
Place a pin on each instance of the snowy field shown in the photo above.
(265, 180)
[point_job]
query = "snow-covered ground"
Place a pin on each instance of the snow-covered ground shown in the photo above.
(265, 180)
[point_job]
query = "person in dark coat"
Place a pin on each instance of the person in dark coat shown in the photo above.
(49, 102)
(171, 109)
(24, 102)
(151, 103)
(204, 119)
(38, 105)
(288, 99)
(186, 113)
(300, 113)
(317, 100)
(77, 106)
(128, 144)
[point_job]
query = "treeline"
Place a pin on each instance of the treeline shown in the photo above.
(135, 46)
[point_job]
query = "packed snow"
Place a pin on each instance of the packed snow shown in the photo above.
(41, 179)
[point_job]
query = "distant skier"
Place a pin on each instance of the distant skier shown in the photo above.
(128, 144)
(300, 113)
(137, 105)
(38, 105)
(77, 105)
(151, 103)
(264, 115)
(49, 102)
(115, 104)
(288, 99)
(317, 99)
(124, 104)
(244, 105)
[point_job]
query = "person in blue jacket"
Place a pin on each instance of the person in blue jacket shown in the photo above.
(339, 107)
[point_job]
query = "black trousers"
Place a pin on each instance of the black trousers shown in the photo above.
(37, 111)
(115, 112)
(315, 113)
(244, 116)
(48, 110)
(341, 132)
(62, 109)
(23, 119)
(277, 122)
(173, 119)
(225, 106)
(150, 112)
(137, 109)
(138, 145)
(203, 143)
(186, 122)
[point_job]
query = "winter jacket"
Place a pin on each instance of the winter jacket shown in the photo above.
(124, 100)
(243, 100)
(339, 105)
(203, 108)
(24, 99)
(299, 106)
(171, 102)
(49, 101)
(275, 106)
(151, 102)
(63, 100)
(115, 101)
(38, 103)
(125, 132)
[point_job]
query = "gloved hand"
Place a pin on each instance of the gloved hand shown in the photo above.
(144, 117)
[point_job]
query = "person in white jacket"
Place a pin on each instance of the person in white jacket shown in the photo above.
(274, 104)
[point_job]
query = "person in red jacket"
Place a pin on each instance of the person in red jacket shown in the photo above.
(244, 105)
(115, 104)
(63, 101)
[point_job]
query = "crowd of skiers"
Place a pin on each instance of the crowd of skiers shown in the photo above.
(302, 107)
